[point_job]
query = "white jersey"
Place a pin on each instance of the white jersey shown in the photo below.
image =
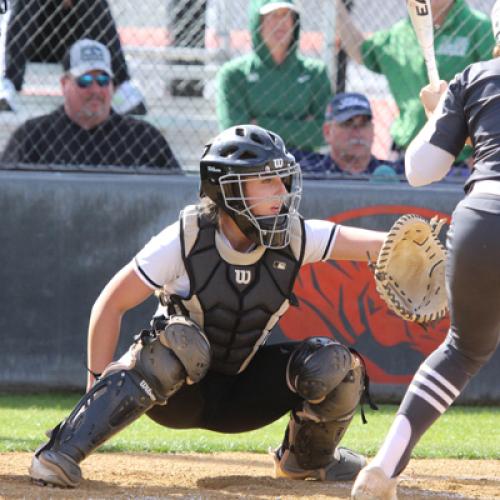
(160, 265)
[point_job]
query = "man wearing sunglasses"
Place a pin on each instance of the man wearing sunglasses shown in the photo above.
(43, 31)
(348, 131)
(85, 130)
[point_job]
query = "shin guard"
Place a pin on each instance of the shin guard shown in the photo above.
(310, 447)
(113, 403)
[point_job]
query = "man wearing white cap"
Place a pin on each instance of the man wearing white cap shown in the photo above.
(38, 31)
(274, 86)
(85, 130)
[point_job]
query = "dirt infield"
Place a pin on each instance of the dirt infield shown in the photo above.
(237, 475)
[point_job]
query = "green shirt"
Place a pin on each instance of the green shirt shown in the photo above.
(288, 99)
(465, 37)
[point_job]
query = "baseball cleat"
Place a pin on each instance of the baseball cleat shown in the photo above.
(55, 469)
(373, 484)
(344, 466)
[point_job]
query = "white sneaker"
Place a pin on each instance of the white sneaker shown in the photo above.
(128, 100)
(8, 95)
(373, 484)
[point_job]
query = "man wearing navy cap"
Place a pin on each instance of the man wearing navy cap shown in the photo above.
(348, 130)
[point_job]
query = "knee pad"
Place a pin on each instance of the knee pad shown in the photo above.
(177, 354)
(162, 372)
(316, 367)
(180, 353)
(191, 346)
(340, 404)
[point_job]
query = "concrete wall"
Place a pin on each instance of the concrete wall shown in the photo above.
(64, 235)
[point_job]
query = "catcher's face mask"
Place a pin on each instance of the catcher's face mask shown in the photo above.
(263, 204)
(248, 172)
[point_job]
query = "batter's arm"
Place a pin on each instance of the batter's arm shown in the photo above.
(125, 291)
(350, 36)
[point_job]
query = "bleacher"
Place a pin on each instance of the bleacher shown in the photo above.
(188, 122)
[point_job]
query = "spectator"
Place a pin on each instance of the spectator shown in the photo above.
(85, 130)
(462, 36)
(274, 86)
(348, 131)
(44, 31)
(186, 27)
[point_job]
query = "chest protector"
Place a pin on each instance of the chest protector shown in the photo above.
(236, 298)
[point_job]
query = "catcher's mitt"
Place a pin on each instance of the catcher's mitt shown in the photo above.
(409, 273)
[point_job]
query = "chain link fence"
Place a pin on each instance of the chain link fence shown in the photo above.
(170, 52)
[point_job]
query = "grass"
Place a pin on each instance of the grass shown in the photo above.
(463, 432)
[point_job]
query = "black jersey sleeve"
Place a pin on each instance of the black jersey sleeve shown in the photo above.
(450, 130)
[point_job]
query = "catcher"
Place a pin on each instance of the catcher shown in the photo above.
(468, 108)
(224, 273)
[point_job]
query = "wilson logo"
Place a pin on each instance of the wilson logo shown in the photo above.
(242, 276)
(421, 9)
(279, 264)
(145, 387)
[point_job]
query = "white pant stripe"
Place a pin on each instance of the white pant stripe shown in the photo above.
(431, 385)
(440, 379)
(427, 397)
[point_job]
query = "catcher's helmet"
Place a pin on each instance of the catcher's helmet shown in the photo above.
(243, 153)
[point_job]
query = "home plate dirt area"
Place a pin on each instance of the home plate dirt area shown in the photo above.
(236, 475)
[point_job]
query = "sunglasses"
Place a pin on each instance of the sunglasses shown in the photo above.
(85, 81)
